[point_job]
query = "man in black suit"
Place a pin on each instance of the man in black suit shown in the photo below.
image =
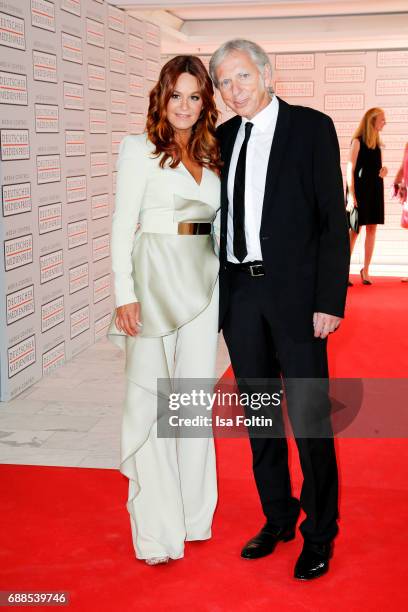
(284, 254)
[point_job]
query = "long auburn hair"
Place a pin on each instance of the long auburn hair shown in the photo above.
(366, 129)
(203, 145)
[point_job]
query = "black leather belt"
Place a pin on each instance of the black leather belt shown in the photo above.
(254, 268)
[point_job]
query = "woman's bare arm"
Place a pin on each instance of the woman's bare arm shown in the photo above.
(351, 164)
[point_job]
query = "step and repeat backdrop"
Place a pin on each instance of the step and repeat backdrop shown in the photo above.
(74, 79)
(344, 85)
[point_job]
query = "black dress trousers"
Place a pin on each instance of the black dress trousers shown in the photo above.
(264, 349)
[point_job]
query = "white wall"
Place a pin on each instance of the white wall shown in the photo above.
(73, 81)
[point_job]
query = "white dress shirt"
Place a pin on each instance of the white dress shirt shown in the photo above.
(258, 150)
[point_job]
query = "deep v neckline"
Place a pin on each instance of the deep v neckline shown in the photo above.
(189, 173)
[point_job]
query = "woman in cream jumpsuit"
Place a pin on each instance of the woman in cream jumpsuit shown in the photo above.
(174, 278)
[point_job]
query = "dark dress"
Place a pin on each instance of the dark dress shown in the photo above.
(369, 186)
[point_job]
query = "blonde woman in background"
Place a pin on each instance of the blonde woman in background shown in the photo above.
(365, 185)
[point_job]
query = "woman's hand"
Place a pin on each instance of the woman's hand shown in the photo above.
(128, 318)
(351, 202)
(383, 172)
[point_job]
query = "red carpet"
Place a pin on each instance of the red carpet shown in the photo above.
(373, 340)
(67, 529)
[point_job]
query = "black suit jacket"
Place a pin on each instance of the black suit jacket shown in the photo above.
(304, 236)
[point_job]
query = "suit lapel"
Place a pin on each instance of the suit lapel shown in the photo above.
(276, 155)
(227, 149)
(227, 153)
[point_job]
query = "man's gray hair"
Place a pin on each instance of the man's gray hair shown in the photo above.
(255, 52)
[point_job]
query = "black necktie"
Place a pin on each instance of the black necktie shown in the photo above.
(240, 249)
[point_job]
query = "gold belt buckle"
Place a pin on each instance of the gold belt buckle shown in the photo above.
(194, 229)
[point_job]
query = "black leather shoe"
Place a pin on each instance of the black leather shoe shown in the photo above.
(265, 541)
(313, 561)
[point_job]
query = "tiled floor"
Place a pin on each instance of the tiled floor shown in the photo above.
(72, 417)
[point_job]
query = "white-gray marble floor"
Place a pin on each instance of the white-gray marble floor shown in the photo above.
(72, 417)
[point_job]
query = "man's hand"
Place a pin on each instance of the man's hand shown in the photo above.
(325, 324)
(128, 318)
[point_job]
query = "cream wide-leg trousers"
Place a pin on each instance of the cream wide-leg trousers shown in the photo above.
(172, 481)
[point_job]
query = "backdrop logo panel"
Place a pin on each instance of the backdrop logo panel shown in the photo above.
(20, 304)
(53, 358)
(13, 88)
(75, 189)
(45, 67)
(15, 144)
(18, 252)
(79, 277)
(16, 199)
(52, 313)
(12, 31)
(21, 356)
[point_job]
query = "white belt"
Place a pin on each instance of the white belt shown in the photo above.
(159, 225)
